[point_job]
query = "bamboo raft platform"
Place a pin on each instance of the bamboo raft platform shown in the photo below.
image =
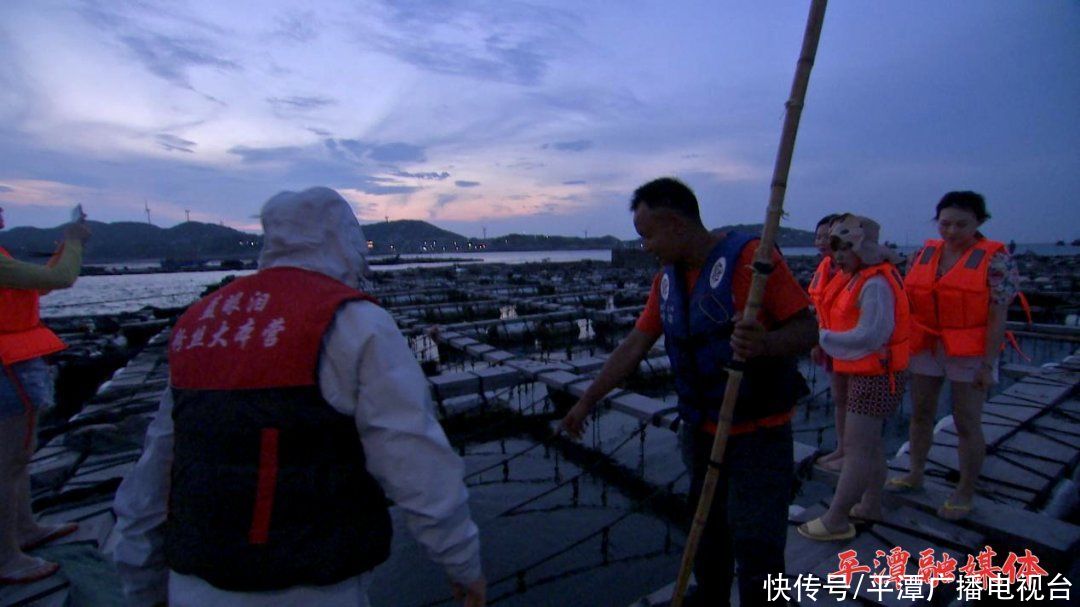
(1033, 437)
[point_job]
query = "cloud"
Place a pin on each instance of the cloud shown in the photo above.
(380, 186)
(526, 165)
(466, 184)
(575, 182)
(300, 103)
(444, 199)
(390, 153)
(170, 57)
(297, 26)
(4, 188)
(427, 176)
(266, 154)
(397, 152)
(501, 42)
(579, 145)
(174, 143)
(319, 132)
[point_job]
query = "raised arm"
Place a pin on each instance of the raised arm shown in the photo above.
(59, 273)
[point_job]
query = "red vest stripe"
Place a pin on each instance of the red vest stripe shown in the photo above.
(264, 493)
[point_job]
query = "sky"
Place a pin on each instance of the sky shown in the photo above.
(538, 117)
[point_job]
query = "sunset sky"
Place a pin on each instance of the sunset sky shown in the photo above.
(538, 117)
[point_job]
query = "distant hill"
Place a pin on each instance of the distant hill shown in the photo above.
(129, 241)
(787, 237)
(412, 236)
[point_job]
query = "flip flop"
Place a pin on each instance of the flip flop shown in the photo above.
(816, 530)
(31, 574)
(59, 531)
(899, 484)
(952, 512)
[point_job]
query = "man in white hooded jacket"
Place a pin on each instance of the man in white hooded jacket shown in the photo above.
(242, 495)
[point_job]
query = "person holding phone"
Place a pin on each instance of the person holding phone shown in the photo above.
(24, 387)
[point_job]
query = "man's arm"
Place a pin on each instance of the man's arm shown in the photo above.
(794, 336)
(368, 371)
(622, 363)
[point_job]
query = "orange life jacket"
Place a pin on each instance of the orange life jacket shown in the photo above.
(823, 288)
(22, 336)
(954, 307)
(844, 316)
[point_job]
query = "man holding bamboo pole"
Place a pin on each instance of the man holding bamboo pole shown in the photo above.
(693, 303)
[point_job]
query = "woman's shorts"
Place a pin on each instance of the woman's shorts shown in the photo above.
(875, 395)
(935, 363)
(36, 381)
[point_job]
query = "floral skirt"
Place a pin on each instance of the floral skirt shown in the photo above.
(876, 395)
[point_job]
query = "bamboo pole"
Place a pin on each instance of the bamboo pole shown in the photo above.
(762, 267)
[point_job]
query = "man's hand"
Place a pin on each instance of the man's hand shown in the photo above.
(576, 420)
(473, 595)
(747, 340)
(817, 355)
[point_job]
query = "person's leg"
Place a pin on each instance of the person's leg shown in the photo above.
(36, 382)
(863, 440)
(967, 402)
(761, 478)
(925, 391)
(839, 388)
(14, 564)
(11, 438)
(869, 506)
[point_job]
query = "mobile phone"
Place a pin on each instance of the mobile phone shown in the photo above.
(77, 214)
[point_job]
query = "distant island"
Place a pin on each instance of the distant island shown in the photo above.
(193, 242)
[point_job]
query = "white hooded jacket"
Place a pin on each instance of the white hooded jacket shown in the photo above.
(366, 371)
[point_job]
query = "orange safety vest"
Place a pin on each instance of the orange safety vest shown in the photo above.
(22, 336)
(954, 307)
(824, 289)
(844, 316)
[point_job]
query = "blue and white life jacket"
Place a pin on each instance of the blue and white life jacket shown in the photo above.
(697, 332)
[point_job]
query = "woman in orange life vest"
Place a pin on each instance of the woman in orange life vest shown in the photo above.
(866, 334)
(24, 385)
(822, 290)
(960, 288)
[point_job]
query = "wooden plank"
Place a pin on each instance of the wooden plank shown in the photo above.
(1012, 412)
(1071, 406)
(643, 408)
(994, 469)
(925, 524)
(560, 380)
(587, 364)
(1038, 443)
(1038, 465)
(1038, 393)
(999, 522)
(497, 357)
